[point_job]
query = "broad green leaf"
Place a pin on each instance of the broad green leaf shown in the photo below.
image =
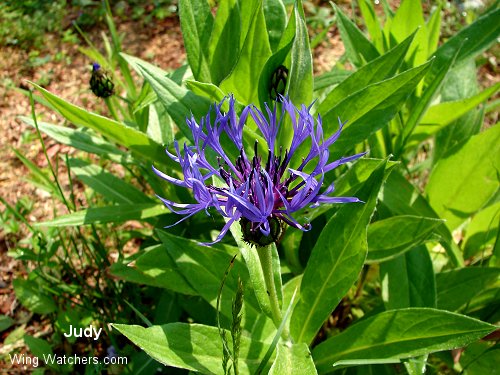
(408, 280)
(408, 19)
(300, 78)
(122, 134)
(158, 275)
(401, 198)
(5, 322)
(157, 264)
(294, 359)
(81, 139)
(446, 112)
(433, 27)
(277, 59)
(482, 230)
(208, 90)
(358, 48)
(335, 261)
(108, 214)
(255, 270)
(178, 101)
(376, 70)
(464, 180)
(370, 108)
(224, 45)
(244, 78)
(38, 347)
(480, 358)
(350, 182)
(192, 347)
(469, 42)
(330, 78)
(111, 187)
(398, 334)
(372, 23)
(422, 104)
(159, 127)
(203, 267)
(442, 114)
(393, 236)
(461, 83)
(32, 296)
(457, 287)
(196, 24)
(275, 13)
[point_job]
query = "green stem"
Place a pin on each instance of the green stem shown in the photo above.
(111, 108)
(266, 262)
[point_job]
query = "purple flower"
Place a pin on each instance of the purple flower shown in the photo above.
(260, 191)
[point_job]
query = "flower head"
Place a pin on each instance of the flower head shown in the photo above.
(262, 192)
(100, 82)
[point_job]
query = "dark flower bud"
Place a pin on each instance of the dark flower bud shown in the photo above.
(100, 83)
(278, 82)
(254, 236)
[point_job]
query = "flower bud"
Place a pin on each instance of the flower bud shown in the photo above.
(100, 83)
(278, 82)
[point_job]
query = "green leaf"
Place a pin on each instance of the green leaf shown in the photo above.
(335, 261)
(208, 90)
(38, 347)
(401, 198)
(276, 60)
(408, 19)
(196, 24)
(122, 134)
(350, 182)
(370, 108)
(461, 83)
(408, 280)
(293, 359)
(372, 23)
(224, 45)
(178, 101)
(376, 70)
(433, 30)
(457, 287)
(300, 79)
(398, 334)
(275, 13)
(470, 41)
(244, 78)
(38, 176)
(192, 347)
(157, 264)
(482, 230)
(442, 114)
(159, 127)
(111, 187)
(31, 296)
(393, 236)
(203, 267)
(5, 322)
(81, 139)
(464, 180)
(331, 78)
(108, 214)
(358, 48)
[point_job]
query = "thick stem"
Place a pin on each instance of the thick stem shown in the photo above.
(266, 262)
